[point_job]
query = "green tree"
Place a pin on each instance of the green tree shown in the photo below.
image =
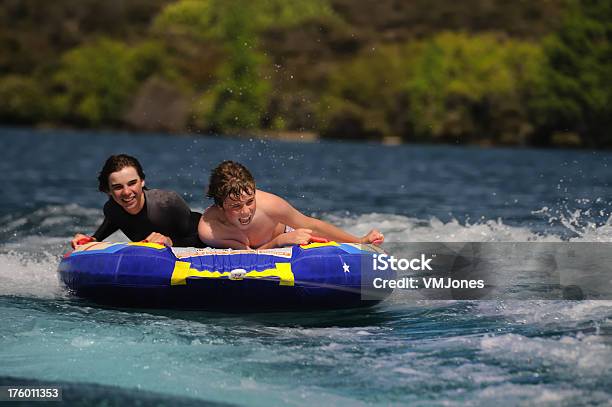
(96, 81)
(452, 87)
(21, 100)
(240, 97)
(576, 92)
(241, 94)
(207, 18)
(472, 87)
(363, 99)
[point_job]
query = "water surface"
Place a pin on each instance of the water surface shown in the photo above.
(400, 352)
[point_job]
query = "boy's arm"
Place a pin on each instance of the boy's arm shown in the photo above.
(283, 212)
(298, 236)
(323, 229)
(106, 229)
(206, 233)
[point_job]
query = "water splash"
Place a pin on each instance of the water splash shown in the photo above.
(26, 276)
(588, 220)
(398, 228)
(34, 242)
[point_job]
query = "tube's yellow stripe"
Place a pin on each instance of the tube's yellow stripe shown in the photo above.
(315, 245)
(282, 271)
(148, 244)
(182, 271)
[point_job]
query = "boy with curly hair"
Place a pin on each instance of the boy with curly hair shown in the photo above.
(244, 217)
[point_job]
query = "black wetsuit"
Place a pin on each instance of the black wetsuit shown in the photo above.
(164, 212)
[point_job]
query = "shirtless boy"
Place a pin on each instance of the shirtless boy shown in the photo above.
(244, 217)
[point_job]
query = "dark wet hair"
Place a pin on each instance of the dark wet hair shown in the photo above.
(229, 179)
(116, 163)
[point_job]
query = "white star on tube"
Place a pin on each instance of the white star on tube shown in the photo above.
(345, 267)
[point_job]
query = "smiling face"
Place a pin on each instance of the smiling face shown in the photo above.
(125, 187)
(240, 212)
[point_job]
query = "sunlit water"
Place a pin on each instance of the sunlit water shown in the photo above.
(402, 351)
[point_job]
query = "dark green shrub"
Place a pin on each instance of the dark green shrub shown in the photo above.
(576, 93)
(21, 100)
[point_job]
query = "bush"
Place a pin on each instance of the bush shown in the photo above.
(207, 18)
(21, 100)
(363, 99)
(96, 81)
(452, 87)
(199, 18)
(472, 88)
(576, 93)
(239, 98)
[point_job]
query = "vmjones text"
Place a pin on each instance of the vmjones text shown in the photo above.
(426, 282)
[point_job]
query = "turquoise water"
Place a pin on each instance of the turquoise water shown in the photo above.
(400, 352)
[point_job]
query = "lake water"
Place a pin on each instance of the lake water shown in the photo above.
(400, 352)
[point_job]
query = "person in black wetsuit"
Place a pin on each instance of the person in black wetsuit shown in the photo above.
(154, 215)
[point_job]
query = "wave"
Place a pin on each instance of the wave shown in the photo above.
(31, 245)
(25, 276)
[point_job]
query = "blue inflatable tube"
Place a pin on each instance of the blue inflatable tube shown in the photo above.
(314, 276)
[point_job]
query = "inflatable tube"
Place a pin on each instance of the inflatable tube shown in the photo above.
(318, 275)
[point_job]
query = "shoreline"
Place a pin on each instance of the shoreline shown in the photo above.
(564, 141)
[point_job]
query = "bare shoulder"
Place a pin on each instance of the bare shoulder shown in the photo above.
(210, 218)
(267, 200)
(211, 214)
(276, 207)
(210, 225)
(265, 195)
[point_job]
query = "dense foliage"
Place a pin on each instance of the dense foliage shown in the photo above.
(514, 73)
(575, 97)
